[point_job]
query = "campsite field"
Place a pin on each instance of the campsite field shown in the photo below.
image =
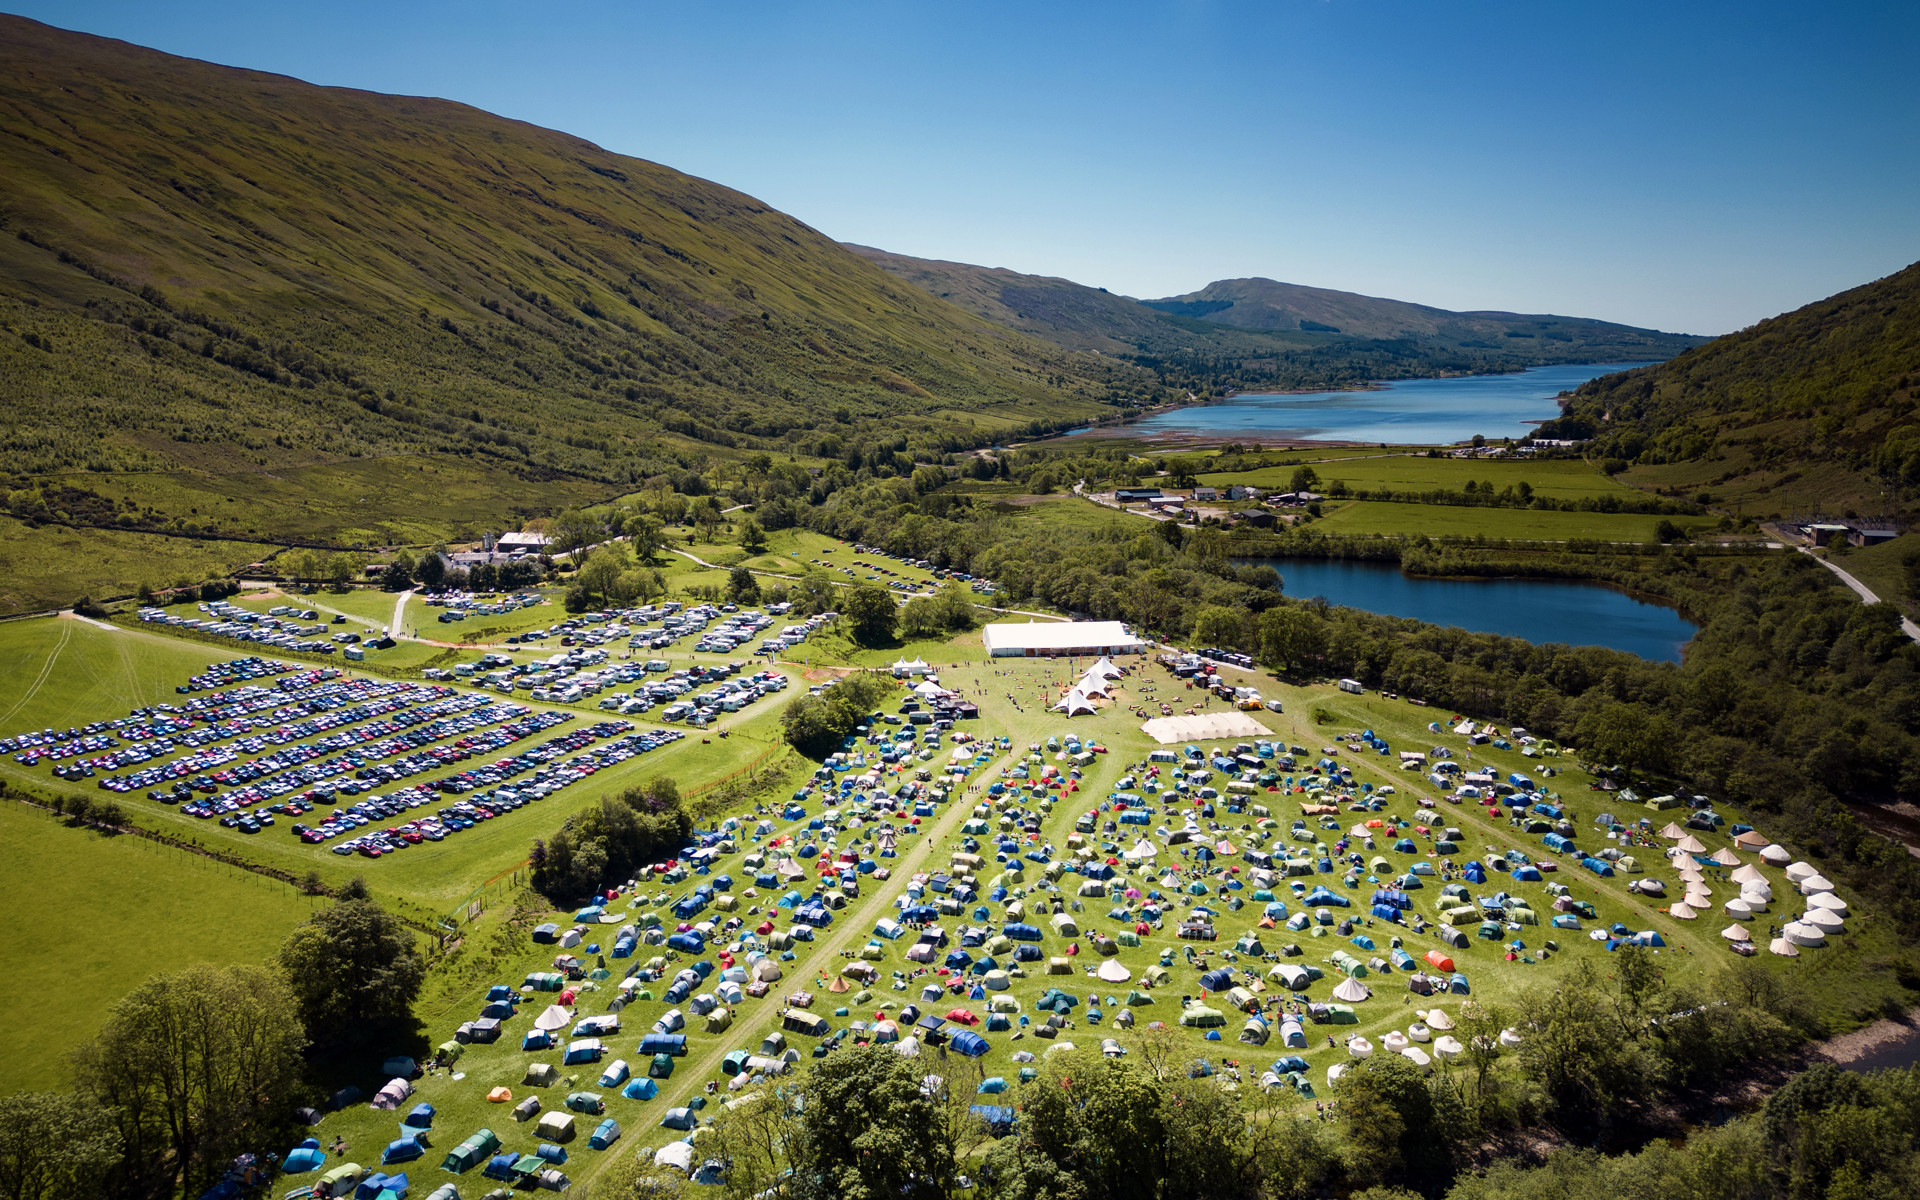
(1013, 696)
(91, 915)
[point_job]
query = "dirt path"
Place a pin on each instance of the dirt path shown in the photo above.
(33, 689)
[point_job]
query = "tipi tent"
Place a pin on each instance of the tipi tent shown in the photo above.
(1351, 991)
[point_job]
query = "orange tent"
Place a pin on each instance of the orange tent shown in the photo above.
(500, 1095)
(1439, 961)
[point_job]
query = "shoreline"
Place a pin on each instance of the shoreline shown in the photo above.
(1118, 428)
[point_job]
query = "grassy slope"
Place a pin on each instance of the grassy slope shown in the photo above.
(93, 915)
(347, 274)
(1785, 417)
(53, 566)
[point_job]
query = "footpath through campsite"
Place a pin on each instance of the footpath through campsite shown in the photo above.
(854, 925)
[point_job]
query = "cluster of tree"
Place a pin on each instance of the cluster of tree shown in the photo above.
(196, 1066)
(816, 725)
(1158, 1124)
(212, 589)
(606, 843)
(354, 973)
(611, 577)
(949, 610)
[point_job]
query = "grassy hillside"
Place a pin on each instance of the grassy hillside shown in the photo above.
(1811, 411)
(1276, 336)
(217, 272)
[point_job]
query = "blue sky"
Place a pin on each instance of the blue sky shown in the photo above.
(1689, 166)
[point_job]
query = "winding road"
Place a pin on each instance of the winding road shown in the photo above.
(1862, 590)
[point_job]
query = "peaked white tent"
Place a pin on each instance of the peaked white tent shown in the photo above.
(1784, 948)
(1736, 933)
(1075, 703)
(1726, 858)
(1672, 832)
(1748, 874)
(1105, 669)
(1681, 911)
(1692, 845)
(1094, 685)
(1351, 991)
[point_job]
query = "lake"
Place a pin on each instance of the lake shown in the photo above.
(1407, 411)
(1539, 610)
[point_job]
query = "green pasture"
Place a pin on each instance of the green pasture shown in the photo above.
(1076, 513)
(1449, 520)
(1563, 479)
(91, 915)
(52, 566)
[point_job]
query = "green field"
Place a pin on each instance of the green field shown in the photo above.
(1449, 520)
(53, 566)
(91, 916)
(1563, 479)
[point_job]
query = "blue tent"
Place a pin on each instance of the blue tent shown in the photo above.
(1598, 866)
(606, 1134)
(970, 1044)
(536, 1039)
(307, 1156)
(404, 1149)
(1217, 980)
(664, 1043)
(548, 1152)
(1458, 985)
(420, 1118)
(1019, 931)
(1000, 1118)
(991, 1085)
(1386, 912)
(379, 1182)
(641, 1089)
(1526, 874)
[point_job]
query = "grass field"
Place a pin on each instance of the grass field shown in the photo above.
(89, 916)
(1558, 478)
(1447, 520)
(53, 566)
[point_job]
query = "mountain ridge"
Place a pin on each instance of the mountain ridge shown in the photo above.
(199, 256)
(1246, 335)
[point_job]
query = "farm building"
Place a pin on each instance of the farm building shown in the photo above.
(1039, 639)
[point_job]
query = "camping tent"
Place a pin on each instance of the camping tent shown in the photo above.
(1352, 991)
(1075, 703)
